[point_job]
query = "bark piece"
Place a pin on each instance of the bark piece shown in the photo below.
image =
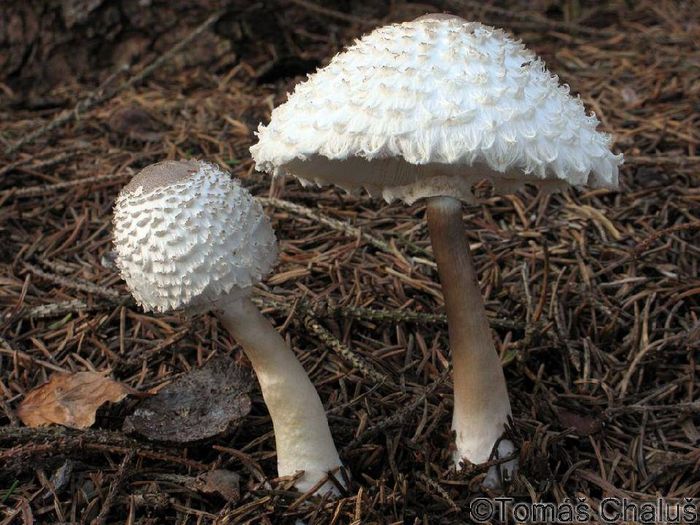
(198, 405)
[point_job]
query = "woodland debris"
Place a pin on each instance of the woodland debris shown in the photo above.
(198, 405)
(70, 400)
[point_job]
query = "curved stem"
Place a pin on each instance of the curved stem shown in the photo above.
(302, 436)
(481, 405)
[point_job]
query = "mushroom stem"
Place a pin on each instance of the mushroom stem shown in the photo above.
(481, 405)
(303, 439)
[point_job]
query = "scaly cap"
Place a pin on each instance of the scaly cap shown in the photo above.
(187, 235)
(427, 108)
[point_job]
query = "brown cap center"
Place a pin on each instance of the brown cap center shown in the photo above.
(439, 16)
(162, 174)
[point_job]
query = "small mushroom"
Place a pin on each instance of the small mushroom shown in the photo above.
(188, 236)
(424, 110)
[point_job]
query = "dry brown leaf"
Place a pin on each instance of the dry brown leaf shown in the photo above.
(70, 400)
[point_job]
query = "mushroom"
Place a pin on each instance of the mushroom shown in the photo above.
(188, 236)
(424, 110)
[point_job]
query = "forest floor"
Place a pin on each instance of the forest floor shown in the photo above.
(594, 296)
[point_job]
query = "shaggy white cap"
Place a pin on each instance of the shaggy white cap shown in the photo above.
(409, 107)
(187, 235)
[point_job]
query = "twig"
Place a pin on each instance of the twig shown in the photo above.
(42, 163)
(102, 95)
(379, 315)
(399, 416)
(48, 189)
(675, 160)
(644, 245)
(76, 284)
(337, 346)
(113, 489)
(645, 348)
(343, 227)
(66, 307)
(692, 406)
(92, 99)
(319, 310)
(248, 462)
(436, 486)
(399, 316)
(29, 442)
(637, 251)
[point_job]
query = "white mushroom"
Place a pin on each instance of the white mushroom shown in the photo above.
(425, 109)
(188, 236)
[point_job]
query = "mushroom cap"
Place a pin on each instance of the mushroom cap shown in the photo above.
(428, 108)
(187, 235)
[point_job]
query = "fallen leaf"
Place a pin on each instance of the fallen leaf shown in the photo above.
(220, 481)
(70, 400)
(198, 405)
